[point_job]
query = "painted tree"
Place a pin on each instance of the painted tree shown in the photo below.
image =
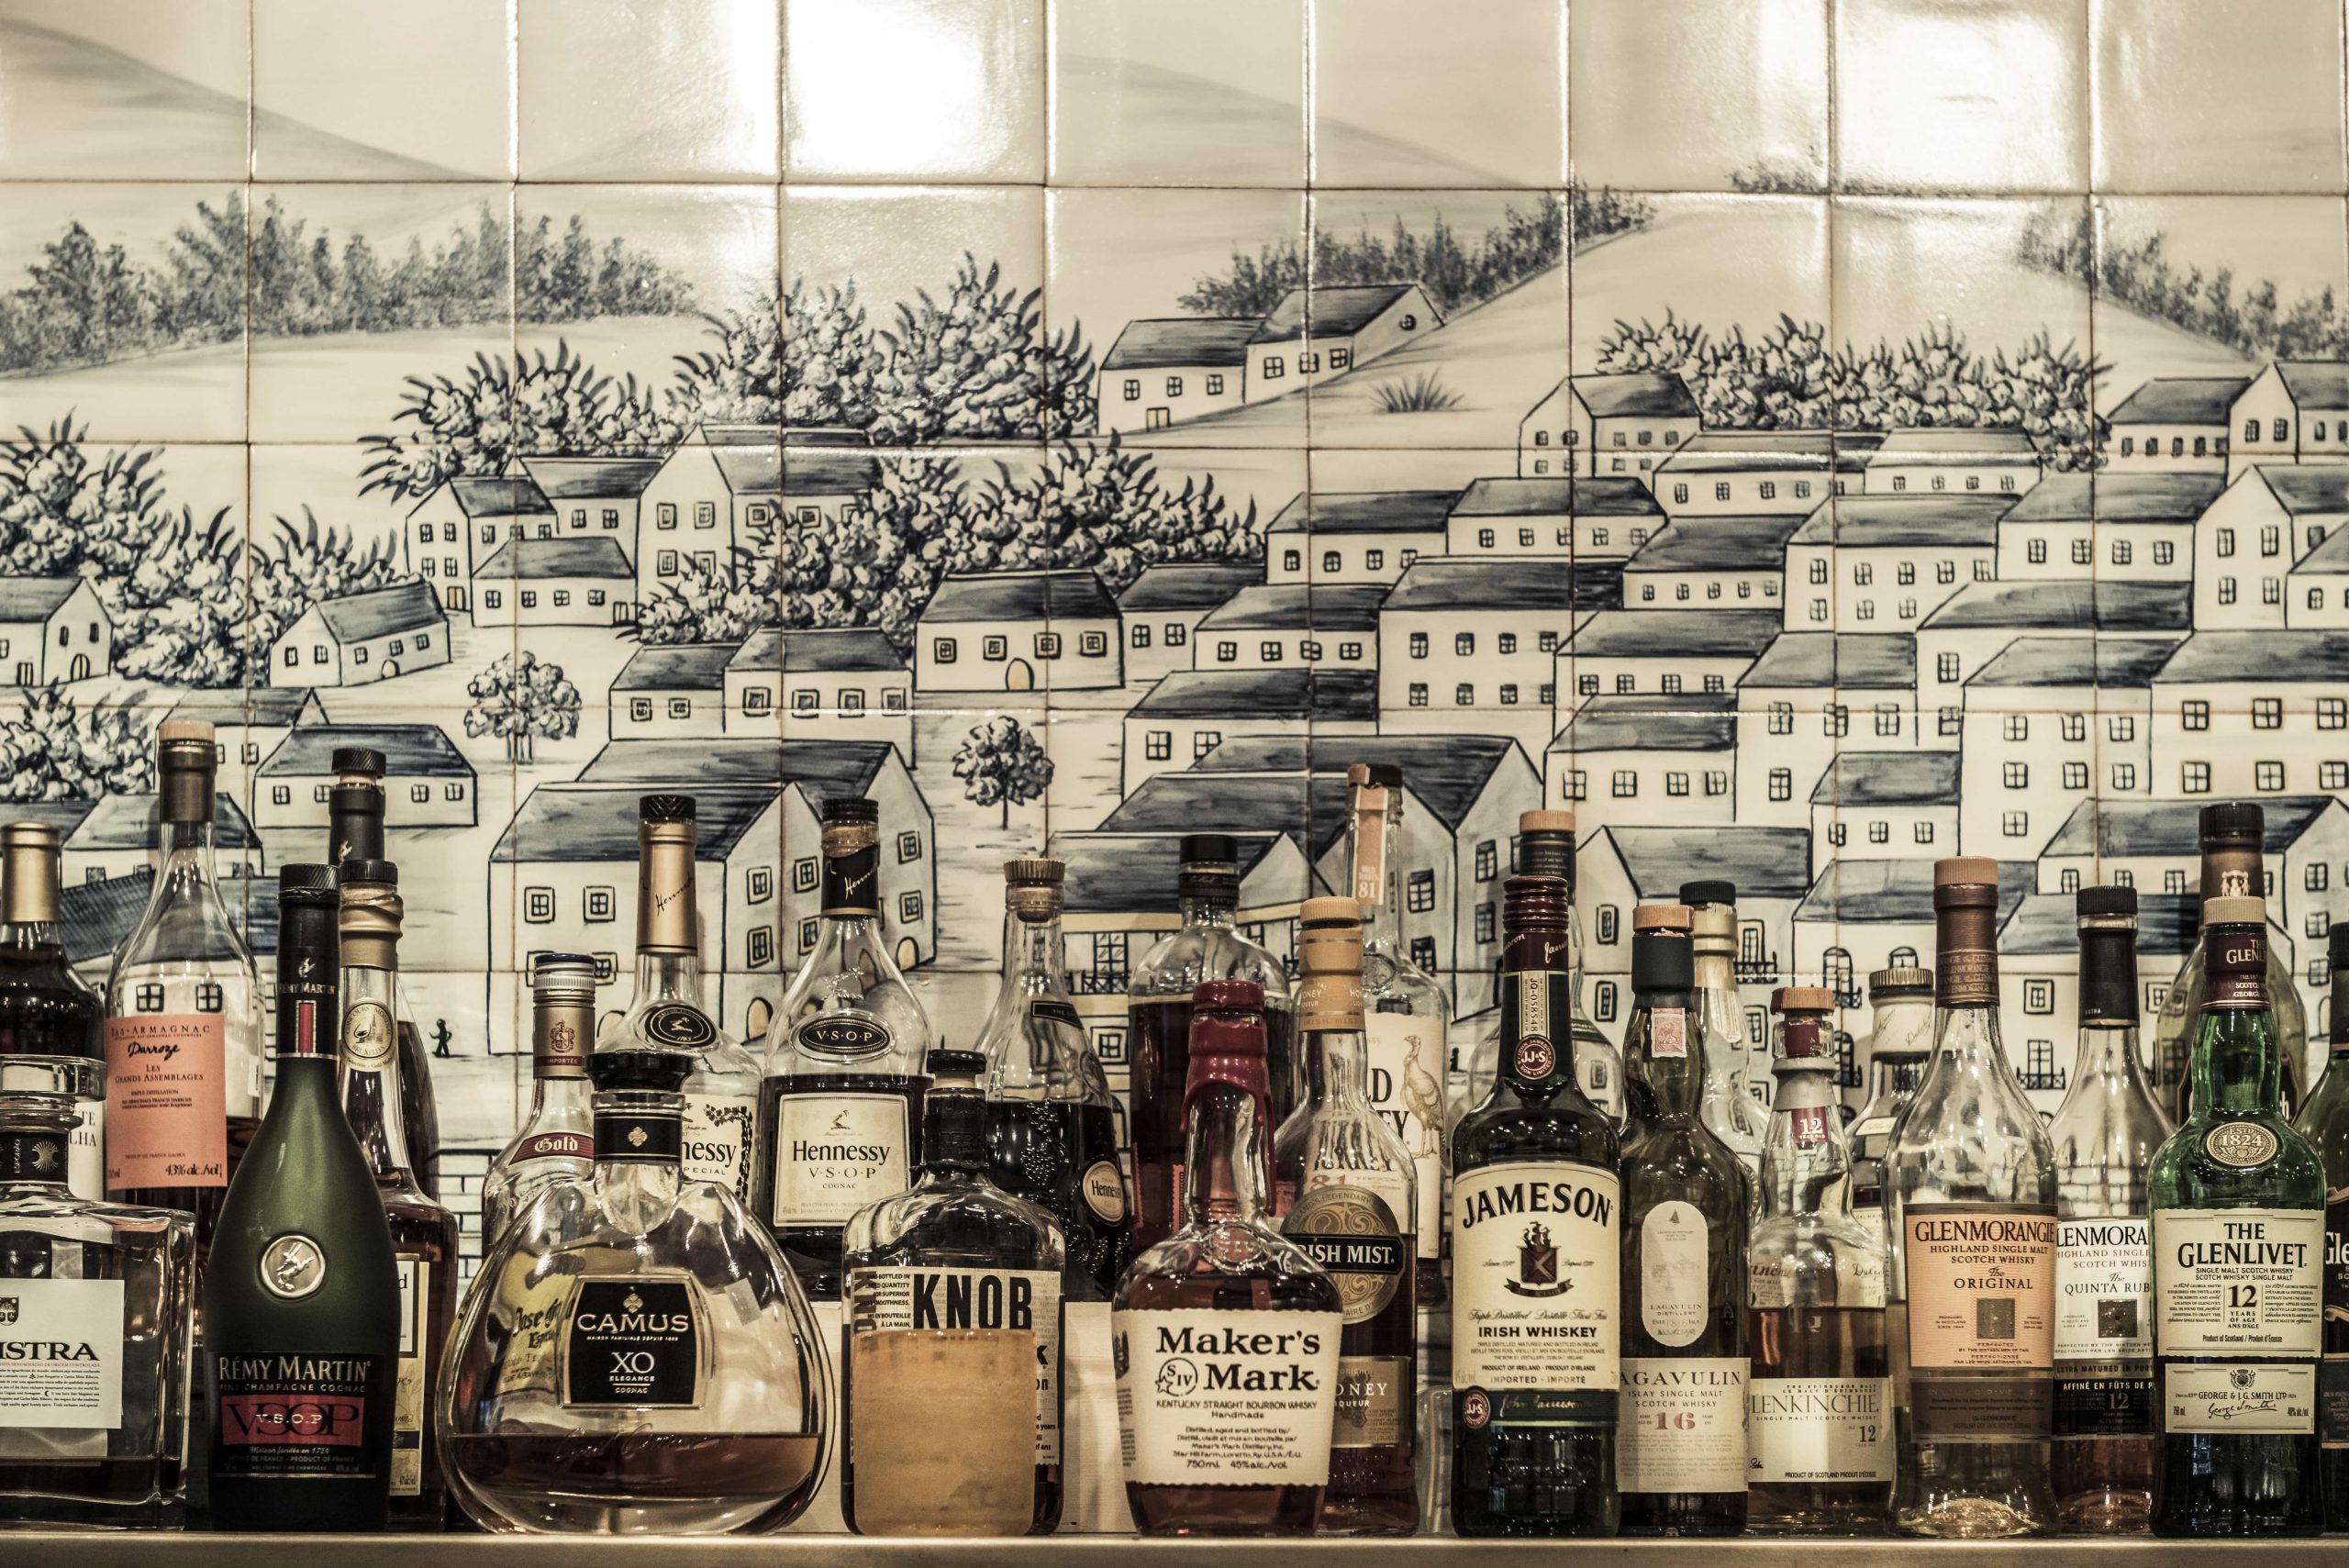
(1002, 764)
(978, 364)
(52, 751)
(476, 423)
(521, 700)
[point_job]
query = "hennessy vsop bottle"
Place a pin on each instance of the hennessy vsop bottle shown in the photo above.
(2233, 835)
(2324, 1122)
(355, 832)
(49, 1021)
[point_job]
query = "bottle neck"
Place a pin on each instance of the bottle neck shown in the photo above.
(563, 1028)
(2232, 871)
(1338, 1067)
(1208, 912)
(1035, 955)
(1223, 1171)
(954, 1133)
(1892, 1078)
(2338, 1043)
(2238, 1059)
(665, 976)
(639, 1133)
(1663, 1063)
(1537, 1051)
(186, 848)
(1805, 1160)
(1716, 970)
(371, 1096)
(851, 876)
(32, 940)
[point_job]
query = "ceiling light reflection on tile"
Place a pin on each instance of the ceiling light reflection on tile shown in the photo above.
(900, 89)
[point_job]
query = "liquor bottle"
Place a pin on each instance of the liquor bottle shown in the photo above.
(1051, 1120)
(1820, 1404)
(1536, 1258)
(1226, 1334)
(641, 1361)
(302, 1294)
(1207, 947)
(1545, 847)
(424, 1234)
(355, 832)
(2105, 1135)
(1970, 1207)
(184, 1057)
(100, 1302)
(1680, 1445)
(2239, 1204)
(50, 1023)
(839, 1106)
(722, 1090)
(1348, 1192)
(954, 1325)
(1407, 1016)
(1731, 1110)
(2324, 1122)
(2233, 836)
(557, 1142)
(1899, 1044)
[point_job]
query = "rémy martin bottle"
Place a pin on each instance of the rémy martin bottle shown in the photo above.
(355, 832)
(53, 1026)
(2324, 1122)
(2239, 1206)
(2234, 837)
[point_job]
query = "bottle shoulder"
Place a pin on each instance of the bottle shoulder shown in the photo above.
(1506, 1131)
(2188, 1171)
(1205, 1257)
(1176, 963)
(970, 1226)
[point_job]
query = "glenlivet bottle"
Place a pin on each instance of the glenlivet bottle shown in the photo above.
(355, 832)
(1899, 1044)
(49, 1021)
(557, 1142)
(2324, 1122)
(2233, 836)
(1731, 1110)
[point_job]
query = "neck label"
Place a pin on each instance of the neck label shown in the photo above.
(639, 1137)
(680, 1025)
(2241, 1144)
(1668, 1033)
(35, 1157)
(367, 1036)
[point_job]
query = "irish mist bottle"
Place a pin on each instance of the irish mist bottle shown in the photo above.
(557, 1141)
(2324, 1122)
(50, 1021)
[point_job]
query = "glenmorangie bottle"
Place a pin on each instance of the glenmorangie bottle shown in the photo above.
(2324, 1121)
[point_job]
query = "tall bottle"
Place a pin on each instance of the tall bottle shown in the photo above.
(2105, 1135)
(1970, 1207)
(1545, 847)
(557, 1141)
(1819, 1404)
(1536, 1260)
(355, 832)
(1731, 1110)
(1680, 1455)
(1227, 1334)
(184, 1059)
(1207, 947)
(2238, 1206)
(53, 1026)
(1051, 1120)
(2324, 1122)
(302, 1298)
(840, 1102)
(2234, 837)
(1348, 1193)
(1900, 1042)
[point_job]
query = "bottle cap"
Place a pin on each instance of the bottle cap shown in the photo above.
(360, 760)
(1329, 912)
(652, 809)
(307, 885)
(28, 836)
(1545, 822)
(1966, 870)
(2234, 822)
(2235, 909)
(1227, 1040)
(1208, 848)
(185, 732)
(2105, 902)
(1662, 917)
(1663, 958)
(1802, 1000)
(1035, 871)
(850, 809)
(948, 1063)
(562, 972)
(382, 871)
(1902, 980)
(1710, 890)
(1540, 904)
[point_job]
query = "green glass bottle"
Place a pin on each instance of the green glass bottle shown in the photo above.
(2238, 1204)
(2324, 1121)
(302, 1296)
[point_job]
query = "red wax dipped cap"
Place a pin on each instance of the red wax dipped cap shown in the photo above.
(1228, 1038)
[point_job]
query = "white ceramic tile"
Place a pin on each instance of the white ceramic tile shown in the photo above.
(348, 91)
(2222, 97)
(962, 99)
(1206, 94)
(1479, 102)
(130, 90)
(1961, 95)
(1749, 106)
(649, 89)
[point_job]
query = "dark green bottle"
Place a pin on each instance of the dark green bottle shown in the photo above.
(301, 1297)
(2238, 1204)
(2325, 1120)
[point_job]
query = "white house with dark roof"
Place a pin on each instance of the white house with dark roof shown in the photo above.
(359, 638)
(1470, 646)
(2249, 540)
(248, 726)
(1018, 631)
(2294, 411)
(594, 497)
(1712, 562)
(1884, 562)
(2050, 722)
(2316, 597)
(53, 629)
(666, 692)
(828, 683)
(2172, 424)
(2039, 980)
(554, 581)
(2239, 715)
(1616, 424)
(465, 519)
(1370, 536)
(2126, 527)
(1619, 652)
(1954, 461)
(1331, 624)
(725, 486)
(1314, 334)
(427, 781)
(1810, 692)
(1619, 868)
(116, 837)
(1981, 620)
(1885, 805)
(1171, 368)
(1191, 712)
(1163, 606)
(1514, 516)
(1647, 759)
(1731, 473)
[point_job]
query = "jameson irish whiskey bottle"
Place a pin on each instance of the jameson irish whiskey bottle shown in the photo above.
(49, 1021)
(302, 1296)
(954, 1326)
(557, 1142)
(1731, 1110)
(1545, 847)
(2104, 1137)
(1970, 1205)
(2238, 1259)
(1680, 1459)
(1348, 1196)
(1535, 1259)
(1819, 1407)
(2233, 836)
(2324, 1122)
(355, 832)
(840, 1102)
(1900, 1045)
(1226, 1334)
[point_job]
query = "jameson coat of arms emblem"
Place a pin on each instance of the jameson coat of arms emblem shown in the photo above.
(1537, 1265)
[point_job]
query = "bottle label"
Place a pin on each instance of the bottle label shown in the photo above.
(1375, 1396)
(680, 1026)
(639, 1137)
(1981, 1282)
(1668, 1032)
(1674, 1243)
(835, 1153)
(1104, 1190)
(2104, 1327)
(560, 1050)
(409, 1394)
(1406, 1063)
(2236, 963)
(720, 1131)
(2333, 1375)
(1004, 1301)
(167, 1094)
(1682, 1425)
(2252, 1397)
(280, 1417)
(368, 1037)
(1350, 1231)
(1536, 1271)
(1813, 1430)
(1857, 1280)
(85, 1153)
(1211, 1398)
(61, 1356)
(632, 1342)
(2243, 1280)
(552, 1146)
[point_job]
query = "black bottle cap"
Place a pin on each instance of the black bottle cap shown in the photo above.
(948, 1063)
(1711, 890)
(665, 808)
(309, 884)
(1381, 775)
(382, 871)
(2337, 947)
(841, 808)
(360, 760)
(1220, 847)
(2103, 900)
(661, 1072)
(2234, 821)
(1662, 961)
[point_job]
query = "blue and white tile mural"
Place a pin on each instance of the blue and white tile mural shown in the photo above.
(1806, 439)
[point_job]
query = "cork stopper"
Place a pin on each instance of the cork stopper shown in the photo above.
(2235, 909)
(1802, 1000)
(1801, 1028)
(1545, 822)
(184, 761)
(1329, 954)
(1663, 917)
(183, 732)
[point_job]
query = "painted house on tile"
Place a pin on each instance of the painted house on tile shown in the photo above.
(463, 521)
(554, 582)
(1860, 916)
(1712, 564)
(1980, 620)
(2039, 980)
(1652, 758)
(248, 726)
(1334, 624)
(2248, 541)
(1619, 868)
(1470, 646)
(1515, 517)
(1885, 805)
(725, 487)
(1314, 334)
(1191, 712)
(1371, 536)
(117, 837)
(2050, 722)
(594, 497)
(1018, 631)
(2294, 411)
(1163, 607)
(1167, 369)
(1619, 652)
(1960, 459)
(2125, 527)
(666, 692)
(1621, 424)
(2172, 424)
(1794, 709)
(53, 629)
(1738, 474)
(844, 682)
(359, 638)
(428, 783)
(2238, 714)
(1886, 562)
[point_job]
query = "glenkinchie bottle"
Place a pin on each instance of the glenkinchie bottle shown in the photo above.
(1227, 1334)
(49, 1021)
(302, 1293)
(557, 1142)
(1680, 1454)
(2234, 839)
(355, 832)
(1536, 1259)
(1731, 1110)
(1900, 1042)
(2105, 1135)
(2239, 1205)
(2324, 1122)
(1819, 1407)
(1970, 1207)
(839, 1105)
(1348, 1193)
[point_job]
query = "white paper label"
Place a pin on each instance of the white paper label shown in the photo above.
(1778, 1281)
(2104, 1287)
(2246, 1280)
(2256, 1396)
(1680, 1426)
(408, 1392)
(1672, 1272)
(1536, 1277)
(1211, 1398)
(61, 1353)
(1405, 1060)
(85, 1153)
(720, 1132)
(1808, 1429)
(1022, 1300)
(835, 1153)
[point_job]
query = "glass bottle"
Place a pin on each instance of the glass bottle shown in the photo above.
(1051, 1120)
(105, 1293)
(49, 1021)
(183, 1058)
(302, 1296)
(639, 1361)
(1227, 1333)
(1348, 1193)
(2233, 836)
(557, 1141)
(1899, 1044)
(355, 832)
(2239, 1205)
(1820, 1404)
(1970, 1205)
(1207, 947)
(2324, 1122)
(954, 1324)
(424, 1234)
(840, 1106)
(1680, 1450)
(2105, 1135)
(1731, 1111)
(1545, 847)
(1536, 1256)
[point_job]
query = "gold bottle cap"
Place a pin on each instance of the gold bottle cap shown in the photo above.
(1662, 917)
(193, 730)
(1035, 871)
(1545, 821)
(1966, 870)
(28, 874)
(1802, 1000)
(1329, 958)
(2235, 909)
